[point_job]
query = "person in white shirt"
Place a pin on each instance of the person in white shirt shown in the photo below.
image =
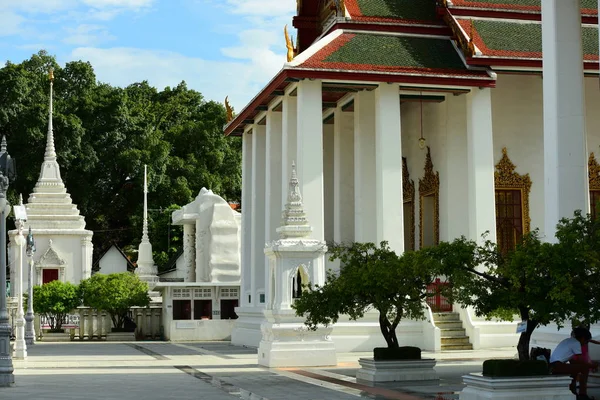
(564, 360)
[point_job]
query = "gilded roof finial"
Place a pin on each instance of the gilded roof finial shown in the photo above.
(51, 73)
(291, 51)
(229, 109)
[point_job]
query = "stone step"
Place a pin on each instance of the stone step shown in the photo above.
(448, 324)
(454, 332)
(447, 347)
(449, 316)
(460, 340)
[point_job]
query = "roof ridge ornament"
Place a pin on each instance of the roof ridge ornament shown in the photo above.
(294, 223)
(289, 43)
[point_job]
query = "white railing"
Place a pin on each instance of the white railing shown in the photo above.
(85, 323)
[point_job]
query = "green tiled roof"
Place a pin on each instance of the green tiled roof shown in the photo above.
(535, 3)
(421, 10)
(398, 51)
(525, 37)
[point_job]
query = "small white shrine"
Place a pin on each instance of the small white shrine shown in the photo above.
(64, 246)
(146, 269)
(293, 261)
(201, 305)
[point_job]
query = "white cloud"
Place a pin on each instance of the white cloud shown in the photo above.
(263, 8)
(10, 23)
(214, 79)
(87, 35)
(130, 4)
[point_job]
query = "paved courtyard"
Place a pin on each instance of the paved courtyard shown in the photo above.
(211, 371)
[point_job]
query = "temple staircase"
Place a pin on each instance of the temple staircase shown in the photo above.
(452, 332)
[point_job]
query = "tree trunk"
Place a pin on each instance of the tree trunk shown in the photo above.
(524, 340)
(388, 331)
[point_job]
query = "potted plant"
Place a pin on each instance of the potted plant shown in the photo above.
(373, 277)
(116, 294)
(53, 301)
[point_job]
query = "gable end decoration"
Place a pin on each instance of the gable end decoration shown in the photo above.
(505, 177)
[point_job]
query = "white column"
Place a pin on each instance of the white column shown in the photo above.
(289, 141)
(273, 176)
(565, 159)
(258, 211)
(388, 167)
(310, 153)
(343, 176)
(20, 345)
(274, 191)
(480, 161)
(189, 251)
(328, 180)
(456, 186)
(247, 250)
(365, 228)
(87, 249)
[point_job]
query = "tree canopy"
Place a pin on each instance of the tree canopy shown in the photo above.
(371, 277)
(54, 300)
(104, 135)
(540, 282)
(115, 294)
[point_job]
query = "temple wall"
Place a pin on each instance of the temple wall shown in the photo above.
(68, 247)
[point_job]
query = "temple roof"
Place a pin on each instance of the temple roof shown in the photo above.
(588, 7)
(387, 53)
(407, 11)
(510, 39)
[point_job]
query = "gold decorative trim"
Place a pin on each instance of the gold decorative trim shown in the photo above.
(593, 172)
(465, 43)
(408, 196)
(429, 185)
(229, 110)
(505, 177)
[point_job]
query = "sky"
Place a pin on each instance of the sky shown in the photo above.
(219, 47)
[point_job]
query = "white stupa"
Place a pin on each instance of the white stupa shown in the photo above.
(64, 246)
(146, 269)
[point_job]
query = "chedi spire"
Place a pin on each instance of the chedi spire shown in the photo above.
(294, 223)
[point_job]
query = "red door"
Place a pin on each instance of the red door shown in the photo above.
(49, 275)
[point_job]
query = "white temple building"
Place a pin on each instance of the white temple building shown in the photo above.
(64, 246)
(455, 129)
(202, 292)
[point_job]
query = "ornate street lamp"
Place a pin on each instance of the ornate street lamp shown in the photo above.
(7, 173)
(29, 328)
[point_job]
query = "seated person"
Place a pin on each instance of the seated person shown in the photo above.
(564, 360)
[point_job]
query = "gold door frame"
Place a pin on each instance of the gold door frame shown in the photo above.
(408, 196)
(506, 178)
(593, 172)
(430, 185)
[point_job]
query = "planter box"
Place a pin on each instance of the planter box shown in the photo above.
(56, 337)
(120, 337)
(372, 371)
(546, 387)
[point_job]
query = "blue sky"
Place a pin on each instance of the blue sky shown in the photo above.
(219, 47)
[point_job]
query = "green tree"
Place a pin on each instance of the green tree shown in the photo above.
(532, 282)
(115, 294)
(54, 300)
(104, 136)
(371, 277)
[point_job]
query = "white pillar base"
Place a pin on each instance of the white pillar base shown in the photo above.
(20, 345)
(292, 344)
(547, 387)
(246, 331)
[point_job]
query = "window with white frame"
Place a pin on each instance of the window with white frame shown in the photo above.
(230, 293)
(202, 293)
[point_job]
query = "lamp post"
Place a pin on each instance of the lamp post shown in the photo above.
(20, 218)
(7, 172)
(29, 327)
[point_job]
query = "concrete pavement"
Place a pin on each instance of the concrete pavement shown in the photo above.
(211, 371)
